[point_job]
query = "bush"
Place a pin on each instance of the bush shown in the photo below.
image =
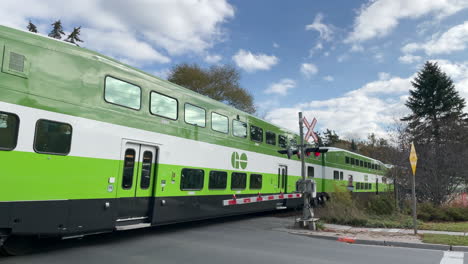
(342, 209)
(428, 212)
(381, 205)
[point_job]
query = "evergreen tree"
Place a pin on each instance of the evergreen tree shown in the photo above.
(331, 138)
(57, 30)
(434, 103)
(354, 146)
(74, 36)
(31, 27)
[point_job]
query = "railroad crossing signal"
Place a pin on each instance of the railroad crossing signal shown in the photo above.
(413, 159)
(310, 129)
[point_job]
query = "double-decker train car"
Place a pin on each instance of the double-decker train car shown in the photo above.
(89, 145)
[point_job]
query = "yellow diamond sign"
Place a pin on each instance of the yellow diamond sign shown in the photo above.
(413, 158)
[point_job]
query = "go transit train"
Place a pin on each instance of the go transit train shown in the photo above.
(91, 145)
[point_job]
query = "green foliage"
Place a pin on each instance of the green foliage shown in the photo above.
(445, 226)
(429, 212)
(381, 205)
(220, 83)
(31, 27)
(445, 239)
(57, 30)
(74, 36)
(342, 209)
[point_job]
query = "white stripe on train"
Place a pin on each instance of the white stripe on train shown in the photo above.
(261, 198)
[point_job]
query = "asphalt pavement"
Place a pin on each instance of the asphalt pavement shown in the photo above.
(246, 239)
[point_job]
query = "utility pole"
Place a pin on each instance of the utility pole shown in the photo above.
(307, 211)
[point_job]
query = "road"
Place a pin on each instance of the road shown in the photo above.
(246, 239)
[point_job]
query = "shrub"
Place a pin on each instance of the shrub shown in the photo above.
(381, 205)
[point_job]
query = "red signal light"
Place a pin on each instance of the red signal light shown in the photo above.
(317, 154)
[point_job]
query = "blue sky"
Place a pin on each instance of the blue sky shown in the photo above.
(347, 63)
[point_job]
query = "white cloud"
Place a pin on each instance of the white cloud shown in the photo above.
(359, 112)
(275, 45)
(252, 62)
(309, 69)
(175, 27)
(378, 18)
(454, 39)
(342, 57)
(163, 73)
(384, 76)
(408, 59)
(325, 31)
(357, 48)
(281, 87)
(379, 57)
(213, 58)
(329, 78)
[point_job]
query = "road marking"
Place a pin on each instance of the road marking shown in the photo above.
(452, 257)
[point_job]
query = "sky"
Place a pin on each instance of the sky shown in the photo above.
(347, 63)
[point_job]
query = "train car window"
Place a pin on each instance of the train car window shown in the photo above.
(195, 115)
(347, 160)
(282, 141)
(9, 124)
(370, 186)
(341, 175)
(162, 105)
(128, 169)
(192, 179)
(352, 161)
(270, 138)
(255, 181)
(361, 163)
(310, 171)
(238, 181)
(358, 185)
(219, 123)
(336, 175)
(256, 133)
(218, 180)
(122, 93)
(239, 129)
(146, 166)
(52, 137)
(293, 142)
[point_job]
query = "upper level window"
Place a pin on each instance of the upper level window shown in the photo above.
(218, 180)
(52, 137)
(192, 179)
(347, 159)
(310, 171)
(219, 123)
(256, 133)
(239, 129)
(238, 180)
(270, 138)
(122, 93)
(255, 181)
(361, 163)
(352, 161)
(195, 115)
(163, 105)
(9, 124)
(282, 141)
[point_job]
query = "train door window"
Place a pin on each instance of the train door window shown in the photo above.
(347, 160)
(238, 181)
(9, 124)
(255, 181)
(192, 179)
(256, 133)
(336, 175)
(310, 172)
(219, 123)
(282, 141)
(239, 129)
(195, 115)
(218, 180)
(270, 138)
(52, 137)
(341, 175)
(128, 169)
(162, 105)
(146, 167)
(122, 93)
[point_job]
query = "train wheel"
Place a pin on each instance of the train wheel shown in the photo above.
(15, 246)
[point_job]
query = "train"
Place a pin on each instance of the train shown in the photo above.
(90, 145)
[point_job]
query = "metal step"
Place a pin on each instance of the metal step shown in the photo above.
(135, 226)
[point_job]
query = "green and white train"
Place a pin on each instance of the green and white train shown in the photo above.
(89, 145)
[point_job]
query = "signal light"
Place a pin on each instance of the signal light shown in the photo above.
(317, 154)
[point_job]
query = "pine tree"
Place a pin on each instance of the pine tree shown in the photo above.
(57, 30)
(434, 103)
(354, 146)
(31, 27)
(74, 36)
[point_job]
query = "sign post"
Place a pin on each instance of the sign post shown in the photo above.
(413, 158)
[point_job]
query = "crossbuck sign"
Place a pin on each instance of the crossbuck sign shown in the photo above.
(310, 129)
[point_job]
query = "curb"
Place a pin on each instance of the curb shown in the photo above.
(386, 243)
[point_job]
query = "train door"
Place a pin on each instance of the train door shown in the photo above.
(282, 178)
(136, 186)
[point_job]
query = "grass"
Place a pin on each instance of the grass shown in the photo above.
(445, 239)
(445, 226)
